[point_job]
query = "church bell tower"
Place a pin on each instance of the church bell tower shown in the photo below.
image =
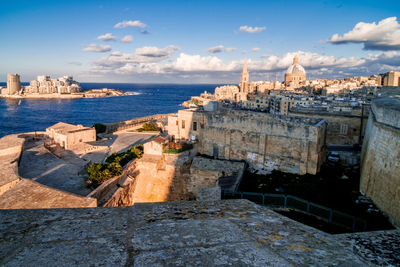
(244, 78)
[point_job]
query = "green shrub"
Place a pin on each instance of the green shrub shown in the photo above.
(149, 127)
(100, 128)
(99, 172)
(137, 151)
(178, 150)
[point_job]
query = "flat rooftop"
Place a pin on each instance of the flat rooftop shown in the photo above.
(229, 232)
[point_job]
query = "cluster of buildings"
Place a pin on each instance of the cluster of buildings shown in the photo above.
(289, 126)
(343, 103)
(46, 85)
(43, 85)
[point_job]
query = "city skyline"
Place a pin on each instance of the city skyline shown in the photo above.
(188, 42)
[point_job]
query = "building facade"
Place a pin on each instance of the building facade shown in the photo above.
(69, 135)
(45, 85)
(391, 78)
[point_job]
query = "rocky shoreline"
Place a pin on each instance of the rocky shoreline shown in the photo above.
(93, 93)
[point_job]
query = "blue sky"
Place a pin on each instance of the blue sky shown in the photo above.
(197, 41)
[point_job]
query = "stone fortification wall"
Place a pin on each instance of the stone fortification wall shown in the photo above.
(122, 125)
(10, 151)
(342, 129)
(208, 173)
(21, 193)
(265, 141)
(163, 178)
(380, 158)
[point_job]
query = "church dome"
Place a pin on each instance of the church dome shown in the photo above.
(296, 69)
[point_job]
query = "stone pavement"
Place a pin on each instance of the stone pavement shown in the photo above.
(229, 232)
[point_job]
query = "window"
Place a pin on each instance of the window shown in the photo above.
(343, 129)
(183, 124)
(194, 126)
(177, 122)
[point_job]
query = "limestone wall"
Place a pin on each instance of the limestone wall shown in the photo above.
(122, 125)
(341, 129)
(265, 141)
(21, 193)
(380, 158)
(80, 136)
(10, 151)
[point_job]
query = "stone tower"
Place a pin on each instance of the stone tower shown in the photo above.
(244, 78)
(245, 74)
(13, 84)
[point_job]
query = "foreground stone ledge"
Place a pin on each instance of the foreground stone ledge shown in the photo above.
(236, 232)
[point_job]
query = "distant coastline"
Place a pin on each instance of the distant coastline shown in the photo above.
(92, 93)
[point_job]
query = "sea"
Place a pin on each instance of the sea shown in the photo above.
(27, 115)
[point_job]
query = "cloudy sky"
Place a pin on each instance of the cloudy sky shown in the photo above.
(197, 41)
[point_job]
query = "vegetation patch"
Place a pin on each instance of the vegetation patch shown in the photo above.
(100, 128)
(196, 101)
(101, 172)
(176, 148)
(149, 127)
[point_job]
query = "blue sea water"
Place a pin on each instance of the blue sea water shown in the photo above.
(28, 115)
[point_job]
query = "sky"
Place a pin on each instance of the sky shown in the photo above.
(197, 41)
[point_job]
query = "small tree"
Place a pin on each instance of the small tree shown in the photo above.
(100, 128)
(137, 151)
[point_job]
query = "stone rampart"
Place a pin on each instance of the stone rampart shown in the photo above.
(380, 157)
(122, 125)
(342, 129)
(266, 142)
(21, 193)
(10, 151)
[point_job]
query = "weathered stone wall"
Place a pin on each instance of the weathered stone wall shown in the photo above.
(163, 178)
(21, 193)
(224, 233)
(122, 125)
(266, 141)
(341, 129)
(80, 136)
(380, 158)
(205, 173)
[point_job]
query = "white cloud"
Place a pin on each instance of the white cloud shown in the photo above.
(97, 48)
(127, 39)
(216, 49)
(230, 49)
(130, 23)
(249, 29)
(155, 52)
(144, 55)
(107, 37)
(384, 35)
(197, 63)
(220, 48)
(255, 49)
(153, 61)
